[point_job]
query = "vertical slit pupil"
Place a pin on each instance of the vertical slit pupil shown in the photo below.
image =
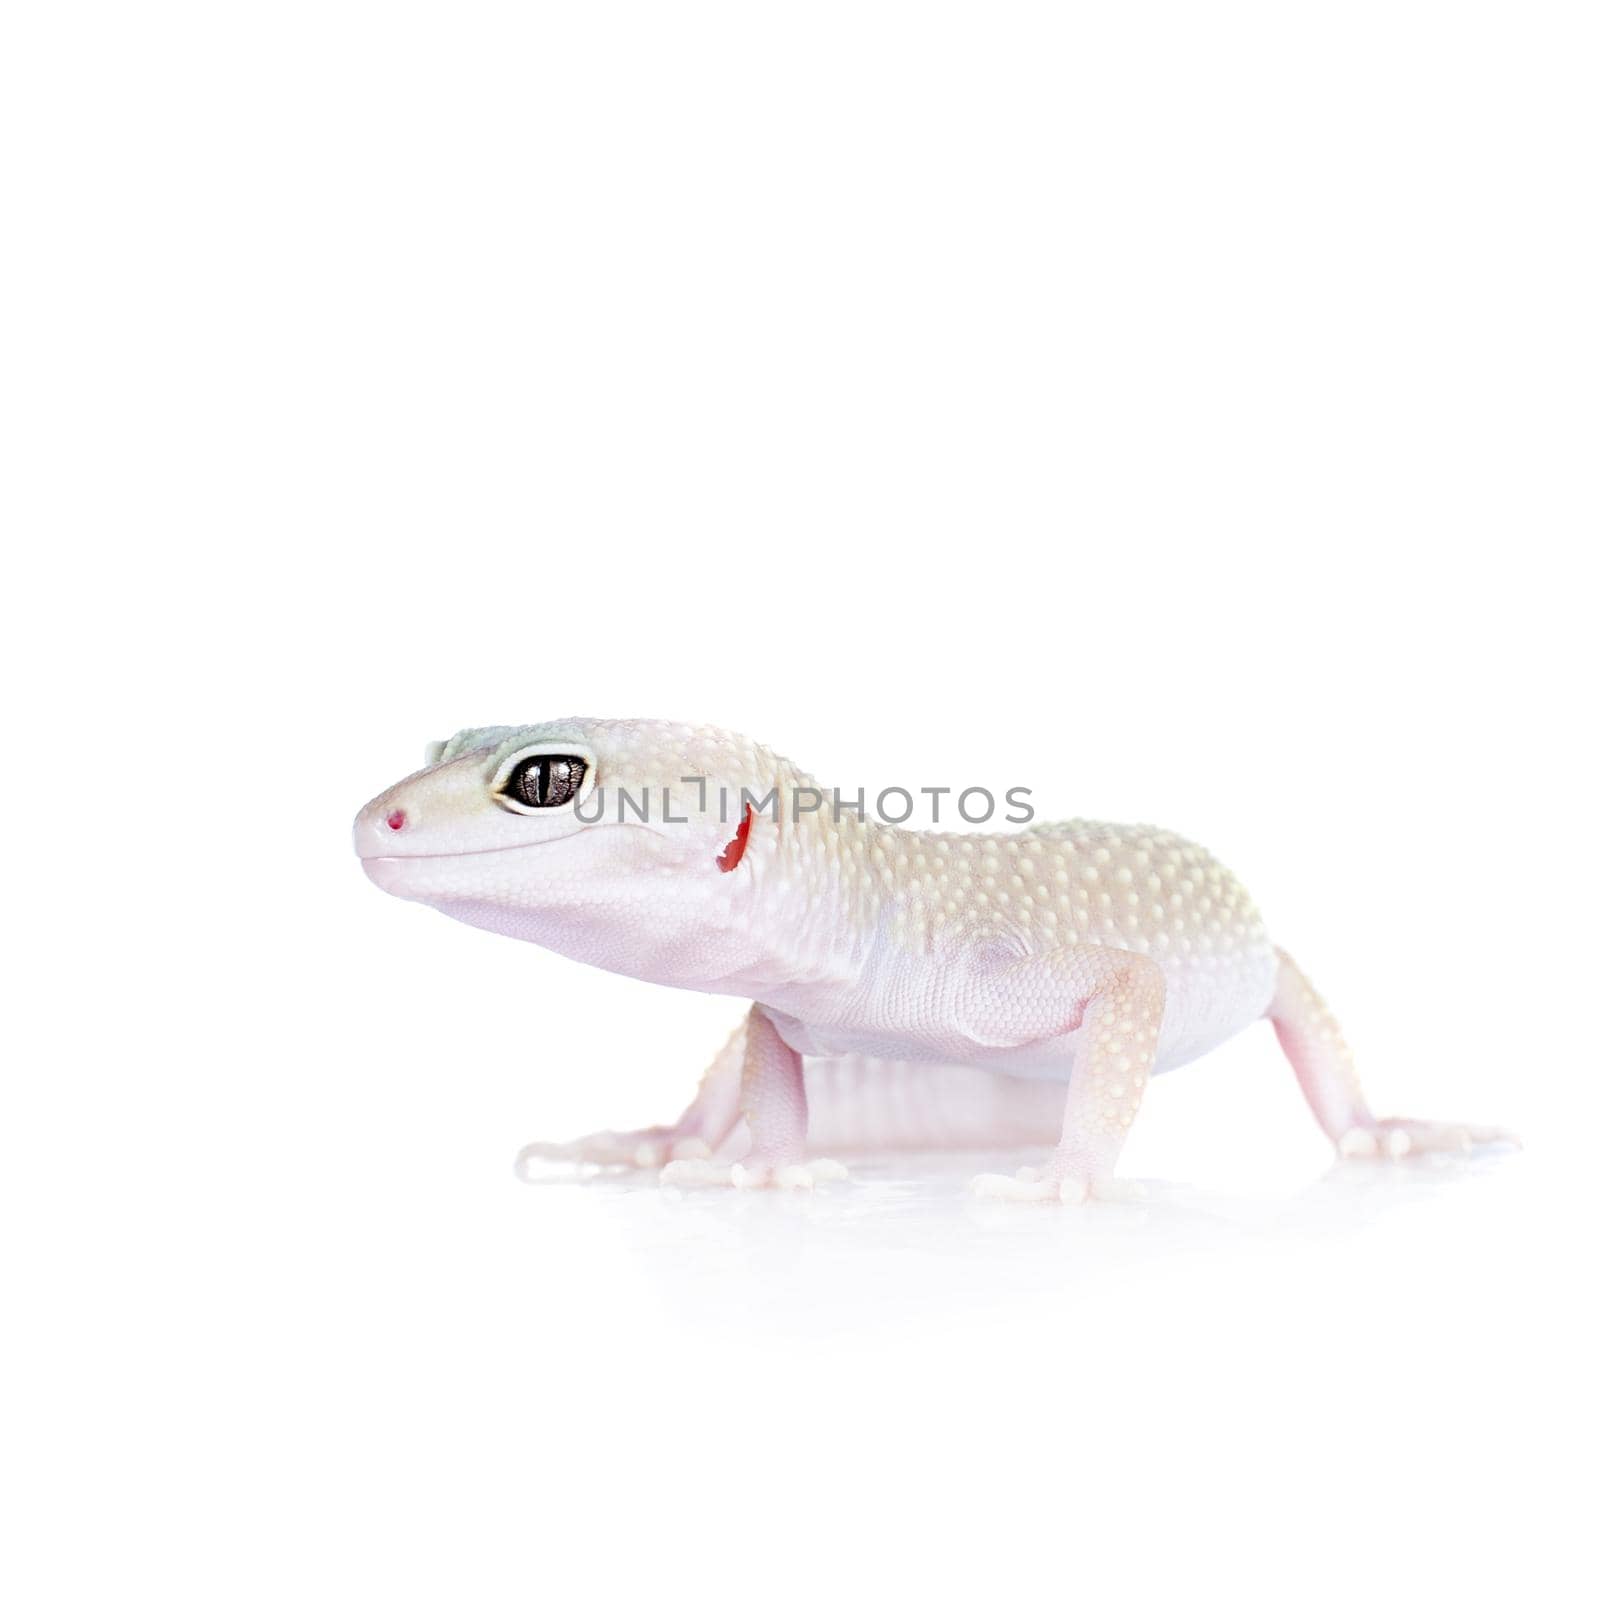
(546, 780)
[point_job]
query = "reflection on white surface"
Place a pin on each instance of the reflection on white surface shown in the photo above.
(904, 1234)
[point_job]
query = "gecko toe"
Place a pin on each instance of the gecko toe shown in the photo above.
(785, 1175)
(996, 1186)
(1071, 1189)
(1399, 1138)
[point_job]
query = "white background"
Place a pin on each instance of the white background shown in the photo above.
(1185, 411)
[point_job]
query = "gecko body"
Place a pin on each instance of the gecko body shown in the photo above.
(906, 987)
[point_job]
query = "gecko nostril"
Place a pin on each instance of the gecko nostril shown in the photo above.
(396, 820)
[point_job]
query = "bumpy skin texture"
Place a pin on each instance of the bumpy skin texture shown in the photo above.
(909, 988)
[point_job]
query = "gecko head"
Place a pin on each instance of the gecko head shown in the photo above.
(631, 845)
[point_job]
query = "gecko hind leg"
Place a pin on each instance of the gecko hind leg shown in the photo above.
(1327, 1076)
(704, 1124)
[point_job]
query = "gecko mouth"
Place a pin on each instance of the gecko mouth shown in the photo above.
(397, 872)
(392, 858)
(455, 855)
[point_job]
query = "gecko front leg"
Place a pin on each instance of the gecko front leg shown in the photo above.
(704, 1124)
(772, 1097)
(1110, 1005)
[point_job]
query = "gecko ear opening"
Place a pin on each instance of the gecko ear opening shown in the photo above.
(733, 852)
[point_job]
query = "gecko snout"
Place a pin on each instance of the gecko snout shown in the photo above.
(384, 827)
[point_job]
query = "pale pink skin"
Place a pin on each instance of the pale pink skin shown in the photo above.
(912, 988)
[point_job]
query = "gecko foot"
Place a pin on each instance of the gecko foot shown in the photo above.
(1068, 1189)
(748, 1174)
(1396, 1137)
(644, 1147)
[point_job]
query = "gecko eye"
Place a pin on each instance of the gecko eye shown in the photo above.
(539, 782)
